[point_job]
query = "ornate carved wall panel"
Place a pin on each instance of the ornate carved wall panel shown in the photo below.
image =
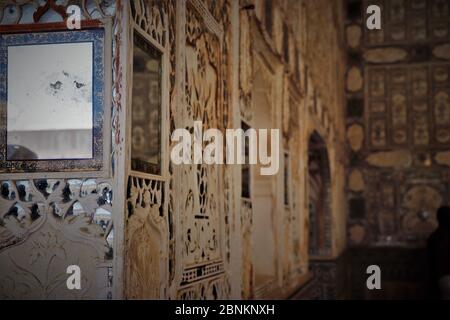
(41, 11)
(408, 106)
(246, 114)
(199, 210)
(146, 243)
(179, 226)
(148, 234)
(408, 22)
(398, 121)
(47, 225)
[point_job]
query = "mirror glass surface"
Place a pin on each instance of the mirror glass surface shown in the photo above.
(49, 108)
(146, 108)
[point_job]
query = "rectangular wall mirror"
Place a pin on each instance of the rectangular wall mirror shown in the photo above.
(52, 101)
(146, 107)
(50, 106)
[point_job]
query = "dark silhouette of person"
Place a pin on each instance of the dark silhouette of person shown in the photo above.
(16, 152)
(438, 250)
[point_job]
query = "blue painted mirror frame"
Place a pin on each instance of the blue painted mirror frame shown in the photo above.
(98, 164)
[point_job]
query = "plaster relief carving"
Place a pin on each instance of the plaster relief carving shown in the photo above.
(47, 225)
(152, 18)
(179, 227)
(202, 208)
(13, 11)
(147, 237)
(146, 246)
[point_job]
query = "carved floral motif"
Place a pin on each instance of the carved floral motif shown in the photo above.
(42, 224)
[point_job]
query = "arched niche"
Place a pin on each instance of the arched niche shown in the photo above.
(319, 198)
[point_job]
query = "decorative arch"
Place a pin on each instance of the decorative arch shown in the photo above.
(319, 197)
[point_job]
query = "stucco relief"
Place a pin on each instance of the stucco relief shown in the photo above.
(32, 11)
(146, 244)
(177, 227)
(147, 236)
(152, 17)
(48, 225)
(202, 215)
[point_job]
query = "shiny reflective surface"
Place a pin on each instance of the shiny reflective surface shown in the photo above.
(146, 108)
(49, 107)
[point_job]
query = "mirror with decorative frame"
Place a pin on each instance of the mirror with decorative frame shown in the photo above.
(146, 107)
(52, 101)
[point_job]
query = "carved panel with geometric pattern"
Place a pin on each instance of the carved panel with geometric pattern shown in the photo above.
(408, 106)
(404, 21)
